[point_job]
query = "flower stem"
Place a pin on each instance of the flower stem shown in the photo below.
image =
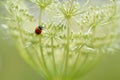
(41, 47)
(67, 46)
(22, 41)
(53, 55)
(40, 17)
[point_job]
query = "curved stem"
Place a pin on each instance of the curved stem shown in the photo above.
(78, 58)
(32, 59)
(28, 57)
(53, 55)
(78, 70)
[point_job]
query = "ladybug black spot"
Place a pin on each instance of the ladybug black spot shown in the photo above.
(40, 27)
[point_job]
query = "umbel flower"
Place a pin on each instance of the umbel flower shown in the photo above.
(74, 37)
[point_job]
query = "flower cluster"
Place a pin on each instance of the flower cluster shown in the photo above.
(73, 39)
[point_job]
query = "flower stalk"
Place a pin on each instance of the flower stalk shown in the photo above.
(73, 40)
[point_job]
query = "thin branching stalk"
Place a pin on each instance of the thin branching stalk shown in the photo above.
(73, 39)
(41, 46)
(53, 54)
(67, 47)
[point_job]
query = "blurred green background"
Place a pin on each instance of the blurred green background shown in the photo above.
(13, 67)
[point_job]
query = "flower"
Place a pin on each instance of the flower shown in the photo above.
(74, 36)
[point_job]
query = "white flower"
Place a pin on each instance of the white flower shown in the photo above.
(73, 38)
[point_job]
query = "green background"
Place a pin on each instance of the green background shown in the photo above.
(13, 67)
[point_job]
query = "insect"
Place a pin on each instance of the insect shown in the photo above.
(38, 30)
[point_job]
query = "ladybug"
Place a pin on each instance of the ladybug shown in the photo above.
(38, 30)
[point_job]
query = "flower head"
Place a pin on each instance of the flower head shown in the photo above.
(73, 37)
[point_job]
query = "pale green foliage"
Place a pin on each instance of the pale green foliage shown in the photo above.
(74, 36)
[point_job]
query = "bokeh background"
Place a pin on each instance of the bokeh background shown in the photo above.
(13, 67)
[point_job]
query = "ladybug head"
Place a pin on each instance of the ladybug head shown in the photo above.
(40, 27)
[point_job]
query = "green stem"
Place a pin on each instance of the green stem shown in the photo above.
(31, 60)
(40, 65)
(40, 17)
(78, 58)
(67, 47)
(41, 47)
(42, 55)
(53, 55)
(78, 70)
(31, 57)
(23, 42)
(80, 54)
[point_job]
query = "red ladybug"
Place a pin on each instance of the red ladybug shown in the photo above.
(38, 30)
